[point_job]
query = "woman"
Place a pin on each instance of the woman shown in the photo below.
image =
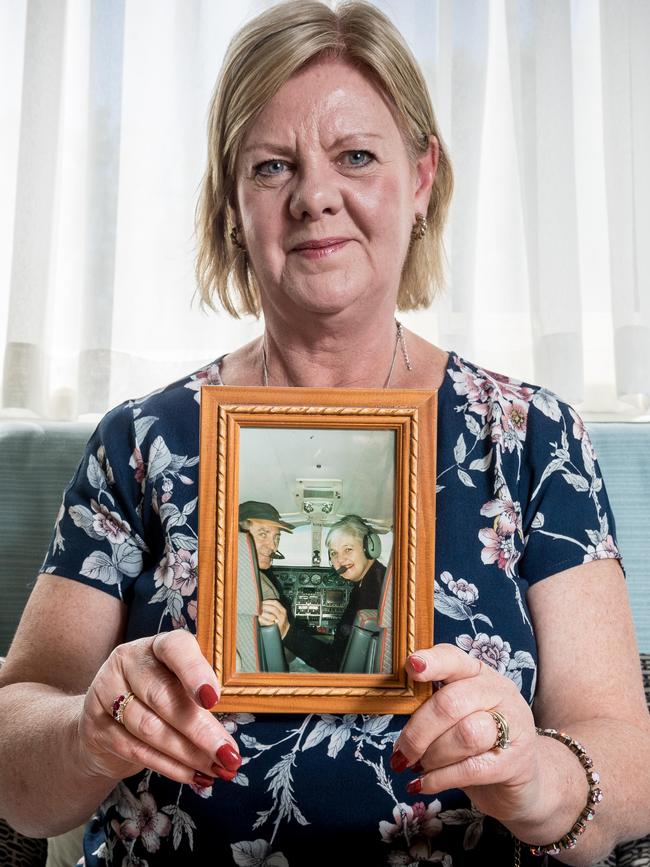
(347, 546)
(324, 199)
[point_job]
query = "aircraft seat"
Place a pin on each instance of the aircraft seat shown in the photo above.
(259, 648)
(370, 646)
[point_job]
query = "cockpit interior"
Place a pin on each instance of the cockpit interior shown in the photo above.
(314, 478)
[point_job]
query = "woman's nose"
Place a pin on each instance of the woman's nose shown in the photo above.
(316, 192)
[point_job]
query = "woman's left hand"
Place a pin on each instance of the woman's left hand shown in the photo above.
(452, 737)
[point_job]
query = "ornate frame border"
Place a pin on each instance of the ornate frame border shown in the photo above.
(413, 416)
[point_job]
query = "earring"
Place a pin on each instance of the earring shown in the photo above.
(419, 229)
(234, 237)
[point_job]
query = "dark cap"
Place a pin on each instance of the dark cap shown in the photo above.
(253, 511)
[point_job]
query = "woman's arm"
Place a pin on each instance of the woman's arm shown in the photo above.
(590, 687)
(62, 751)
(66, 633)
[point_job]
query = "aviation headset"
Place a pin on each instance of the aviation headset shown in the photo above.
(371, 541)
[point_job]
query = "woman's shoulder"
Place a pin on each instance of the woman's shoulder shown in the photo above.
(506, 404)
(171, 411)
(511, 427)
(480, 382)
(182, 390)
(525, 458)
(375, 579)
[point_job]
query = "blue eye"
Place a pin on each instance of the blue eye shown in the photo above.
(270, 168)
(358, 159)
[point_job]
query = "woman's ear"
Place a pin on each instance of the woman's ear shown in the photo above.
(425, 173)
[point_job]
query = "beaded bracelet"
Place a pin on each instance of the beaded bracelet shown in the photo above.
(594, 797)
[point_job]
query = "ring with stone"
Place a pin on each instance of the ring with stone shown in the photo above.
(119, 705)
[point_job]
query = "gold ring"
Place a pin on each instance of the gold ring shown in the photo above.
(502, 741)
(119, 706)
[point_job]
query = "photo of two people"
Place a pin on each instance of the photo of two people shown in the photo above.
(315, 540)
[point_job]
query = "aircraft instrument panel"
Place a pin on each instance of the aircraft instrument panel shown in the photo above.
(318, 596)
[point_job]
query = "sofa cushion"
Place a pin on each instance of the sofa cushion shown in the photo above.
(623, 452)
(37, 460)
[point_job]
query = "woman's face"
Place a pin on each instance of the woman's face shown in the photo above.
(326, 194)
(347, 550)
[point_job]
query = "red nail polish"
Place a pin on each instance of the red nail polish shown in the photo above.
(202, 780)
(228, 757)
(414, 786)
(223, 774)
(399, 762)
(208, 696)
(417, 664)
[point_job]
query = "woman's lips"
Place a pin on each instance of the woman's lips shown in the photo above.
(319, 249)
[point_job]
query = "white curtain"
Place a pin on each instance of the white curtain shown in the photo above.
(544, 104)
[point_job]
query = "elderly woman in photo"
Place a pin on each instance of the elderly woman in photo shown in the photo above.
(349, 543)
(323, 207)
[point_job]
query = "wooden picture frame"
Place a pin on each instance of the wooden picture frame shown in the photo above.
(230, 418)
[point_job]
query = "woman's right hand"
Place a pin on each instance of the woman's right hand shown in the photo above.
(167, 726)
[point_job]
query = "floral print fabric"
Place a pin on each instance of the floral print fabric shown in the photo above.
(519, 498)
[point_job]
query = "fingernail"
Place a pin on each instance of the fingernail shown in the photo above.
(414, 786)
(208, 696)
(399, 762)
(228, 756)
(223, 773)
(202, 780)
(417, 664)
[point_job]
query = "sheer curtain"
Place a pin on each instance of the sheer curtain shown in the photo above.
(545, 108)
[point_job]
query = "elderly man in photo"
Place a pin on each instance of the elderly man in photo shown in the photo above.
(262, 521)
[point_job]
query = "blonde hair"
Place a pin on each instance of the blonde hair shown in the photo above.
(261, 57)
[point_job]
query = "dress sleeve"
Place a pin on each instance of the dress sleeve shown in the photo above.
(98, 536)
(567, 519)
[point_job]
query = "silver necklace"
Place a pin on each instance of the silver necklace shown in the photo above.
(400, 340)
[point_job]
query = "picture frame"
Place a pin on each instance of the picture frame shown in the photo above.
(331, 453)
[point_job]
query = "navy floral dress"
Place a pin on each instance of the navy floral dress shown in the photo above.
(519, 498)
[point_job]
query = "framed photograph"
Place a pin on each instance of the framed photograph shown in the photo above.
(316, 546)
